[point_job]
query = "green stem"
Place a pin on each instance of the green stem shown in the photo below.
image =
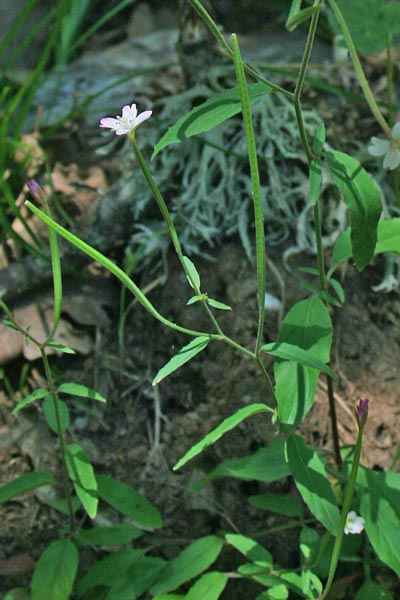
(57, 279)
(199, 8)
(170, 225)
(115, 270)
(300, 81)
(255, 181)
(60, 436)
(358, 69)
(343, 516)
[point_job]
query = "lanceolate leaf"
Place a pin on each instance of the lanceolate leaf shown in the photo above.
(82, 475)
(297, 354)
(192, 561)
(209, 114)
(209, 587)
(77, 389)
(55, 572)
(388, 241)
(312, 482)
(25, 483)
(193, 272)
(38, 394)
(226, 425)
(184, 355)
(128, 501)
(308, 326)
(363, 202)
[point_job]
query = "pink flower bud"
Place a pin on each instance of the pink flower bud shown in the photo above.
(36, 191)
(362, 412)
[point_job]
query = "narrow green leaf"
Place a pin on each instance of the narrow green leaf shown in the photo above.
(184, 355)
(283, 505)
(108, 570)
(82, 475)
(192, 561)
(297, 354)
(209, 114)
(194, 280)
(363, 202)
(193, 300)
(24, 483)
(341, 251)
(10, 324)
(209, 587)
(76, 389)
(380, 507)
(137, 579)
(252, 550)
(226, 425)
(55, 572)
(217, 304)
(266, 464)
(312, 482)
(307, 325)
(61, 348)
(301, 16)
(319, 140)
(315, 178)
(338, 289)
(50, 414)
(123, 533)
(36, 395)
(129, 502)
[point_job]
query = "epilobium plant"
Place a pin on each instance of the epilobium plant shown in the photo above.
(334, 488)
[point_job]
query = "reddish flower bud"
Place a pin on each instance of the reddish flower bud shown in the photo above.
(36, 191)
(362, 412)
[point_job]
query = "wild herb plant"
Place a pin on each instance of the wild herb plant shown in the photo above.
(336, 488)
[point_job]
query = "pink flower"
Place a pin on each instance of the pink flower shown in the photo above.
(389, 149)
(129, 121)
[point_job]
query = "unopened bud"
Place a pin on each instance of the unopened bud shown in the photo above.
(362, 412)
(36, 191)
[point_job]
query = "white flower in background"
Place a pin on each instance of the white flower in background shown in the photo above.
(354, 524)
(128, 122)
(390, 149)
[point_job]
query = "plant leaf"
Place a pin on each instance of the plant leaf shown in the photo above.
(297, 354)
(76, 389)
(194, 274)
(284, 505)
(226, 425)
(363, 202)
(55, 572)
(312, 482)
(128, 501)
(24, 483)
(208, 115)
(209, 587)
(217, 304)
(380, 507)
(82, 475)
(251, 549)
(184, 355)
(38, 394)
(50, 414)
(315, 178)
(61, 348)
(192, 561)
(122, 533)
(308, 326)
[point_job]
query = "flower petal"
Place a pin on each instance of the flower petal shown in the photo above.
(143, 117)
(109, 122)
(378, 146)
(392, 159)
(129, 112)
(396, 131)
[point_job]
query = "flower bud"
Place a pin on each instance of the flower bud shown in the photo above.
(362, 412)
(36, 191)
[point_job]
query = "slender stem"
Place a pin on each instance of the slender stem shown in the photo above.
(57, 279)
(255, 181)
(333, 418)
(60, 436)
(389, 79)
(300, 81)
(170, 225)
(116, 271)
(199, 8)
(267, 379)
(343, 516)
(358, 69)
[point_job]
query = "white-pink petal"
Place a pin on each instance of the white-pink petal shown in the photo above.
(396, 131)
(146, 114)
(378, 146)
